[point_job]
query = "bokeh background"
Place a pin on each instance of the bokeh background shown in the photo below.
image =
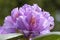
(52, 6)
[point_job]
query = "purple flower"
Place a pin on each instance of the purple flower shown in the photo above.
(8, 26)
(30, 20)
(2, 31)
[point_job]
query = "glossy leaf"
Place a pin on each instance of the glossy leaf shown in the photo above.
(9, 36)
(49, 36)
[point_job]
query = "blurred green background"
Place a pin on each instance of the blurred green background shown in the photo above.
(52, 6)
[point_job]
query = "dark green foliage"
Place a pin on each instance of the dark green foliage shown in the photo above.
(5, 8)
(49, 37)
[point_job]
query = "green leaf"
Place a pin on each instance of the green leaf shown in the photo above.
(9, 36)
(49, 36)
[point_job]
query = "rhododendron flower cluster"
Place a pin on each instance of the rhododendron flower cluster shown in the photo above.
(29, 20)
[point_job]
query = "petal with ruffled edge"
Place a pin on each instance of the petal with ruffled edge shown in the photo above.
(21, 23)
(9, 25)
(15, 13)
(51, 21)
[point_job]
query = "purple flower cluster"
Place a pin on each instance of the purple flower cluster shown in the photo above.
(30, 20)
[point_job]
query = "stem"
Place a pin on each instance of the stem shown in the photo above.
(29, 37)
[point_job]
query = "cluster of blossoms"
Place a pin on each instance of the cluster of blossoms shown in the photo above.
(29, 20)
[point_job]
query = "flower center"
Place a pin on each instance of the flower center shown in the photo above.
(32, 21)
